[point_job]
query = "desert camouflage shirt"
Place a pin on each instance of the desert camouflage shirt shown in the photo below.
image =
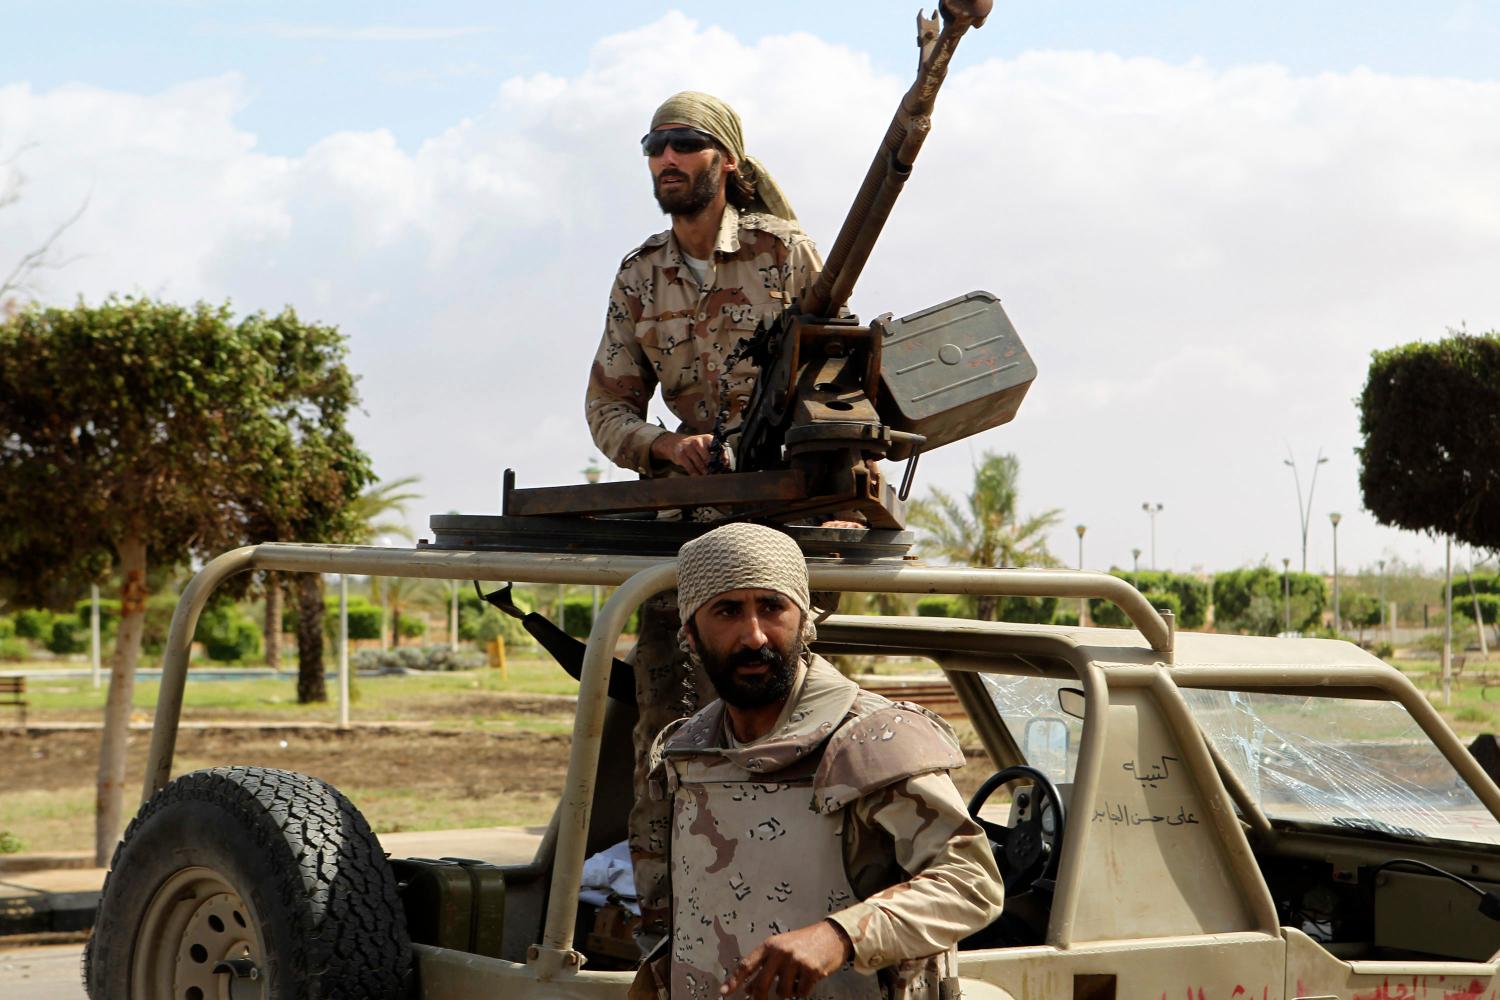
(663, 327)
(921, 867)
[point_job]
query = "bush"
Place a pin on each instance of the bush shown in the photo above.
(578, 616)
(1383, 650)
(14, 650)
(7, 627)
(1463, 604)
(228, 635)
(1251, 600)
(937, 607)
(1031, 610)
(1359, 611)
(67, 637)
(109, 615)
(419, 658)
(34, 624)
(1063, 616)
(10, 843)
(410, 627)
(364, 618)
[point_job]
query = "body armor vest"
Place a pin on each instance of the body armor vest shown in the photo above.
(758, 830)
(750, 858)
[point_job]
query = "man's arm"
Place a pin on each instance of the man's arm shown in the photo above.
(954, 889)
(803, 265)
(620, 386)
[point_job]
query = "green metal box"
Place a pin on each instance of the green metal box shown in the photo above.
(952, 370)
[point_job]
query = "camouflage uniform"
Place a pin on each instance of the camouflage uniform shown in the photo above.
(664, 327)
(844, 811)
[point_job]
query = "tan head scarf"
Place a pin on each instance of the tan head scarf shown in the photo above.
(739, 556)
(711, 115)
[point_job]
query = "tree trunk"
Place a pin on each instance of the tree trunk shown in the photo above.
(310, 683)
(395, 626)
(985, 606)
(109, 796)
(273, 621)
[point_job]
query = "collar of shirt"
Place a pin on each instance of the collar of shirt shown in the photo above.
(727, 243)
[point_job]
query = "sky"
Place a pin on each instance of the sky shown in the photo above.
(1201, 218)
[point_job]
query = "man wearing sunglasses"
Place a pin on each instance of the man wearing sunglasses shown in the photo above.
(680, 303)
(682, 299)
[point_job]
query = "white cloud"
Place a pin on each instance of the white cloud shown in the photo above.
(1200, 259)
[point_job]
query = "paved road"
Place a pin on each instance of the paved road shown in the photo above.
(45, 973)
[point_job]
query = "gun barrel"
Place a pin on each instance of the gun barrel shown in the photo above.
(893, 160)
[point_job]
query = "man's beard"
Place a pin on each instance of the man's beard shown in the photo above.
(755, 691)
(695, 196)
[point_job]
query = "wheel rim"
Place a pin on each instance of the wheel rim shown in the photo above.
(195, 922)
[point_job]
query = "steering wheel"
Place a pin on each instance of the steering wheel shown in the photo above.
(1030, 849)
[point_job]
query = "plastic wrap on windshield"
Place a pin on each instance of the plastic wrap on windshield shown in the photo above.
(1048, 738)
(1341, 762)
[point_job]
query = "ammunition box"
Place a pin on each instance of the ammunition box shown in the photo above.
(952, 370)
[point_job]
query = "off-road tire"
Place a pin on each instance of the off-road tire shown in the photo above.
(284, 851)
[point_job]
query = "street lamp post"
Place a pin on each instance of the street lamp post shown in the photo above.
(1083, 602)
(1286, 591)
(1304, 512)
(1152, 509)
(1135, 557)
(1334, 519)
(591, 474)
(1380, 566)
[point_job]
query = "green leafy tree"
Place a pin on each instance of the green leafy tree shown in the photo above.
(1186, 596)
(138, 432)
(1254, 600)
(984, 528)
(1359, 610)
(1430, 418)
(317, 470)
(379, 512)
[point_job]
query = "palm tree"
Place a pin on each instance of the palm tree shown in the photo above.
(984, 529)
(380, 511)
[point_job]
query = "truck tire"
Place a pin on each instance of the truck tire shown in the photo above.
(269, 878)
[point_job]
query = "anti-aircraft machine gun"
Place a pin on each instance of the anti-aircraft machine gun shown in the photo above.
(834, 396)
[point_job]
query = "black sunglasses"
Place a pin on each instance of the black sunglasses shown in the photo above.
(682, 140)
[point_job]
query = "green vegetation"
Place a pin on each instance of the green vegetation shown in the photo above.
(1430, 418)
(984, 528)
(1186, 597)
(9, 844)
(1254, 601)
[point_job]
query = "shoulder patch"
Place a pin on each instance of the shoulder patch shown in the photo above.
(651, 243)
(787, 232)
(891, 743)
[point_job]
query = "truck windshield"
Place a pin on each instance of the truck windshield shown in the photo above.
(1359, 764)
(1341, 762)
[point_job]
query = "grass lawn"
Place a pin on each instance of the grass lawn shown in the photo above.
(478, 697)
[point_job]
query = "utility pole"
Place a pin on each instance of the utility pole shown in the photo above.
(1152, 509)
(1286, 591)
(1083, 602)
(1334, 519)
(1304, 511)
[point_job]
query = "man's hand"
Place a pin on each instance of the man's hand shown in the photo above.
(791, 964)
(686, 451)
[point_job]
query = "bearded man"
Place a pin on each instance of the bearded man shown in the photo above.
(679, 304)
(817, 839)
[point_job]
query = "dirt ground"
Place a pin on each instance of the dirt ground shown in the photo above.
(401, 778)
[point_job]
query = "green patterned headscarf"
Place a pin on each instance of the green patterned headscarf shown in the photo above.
(711, 115)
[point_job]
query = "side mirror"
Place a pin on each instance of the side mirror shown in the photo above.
(1071, 701)
(1046, 747)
